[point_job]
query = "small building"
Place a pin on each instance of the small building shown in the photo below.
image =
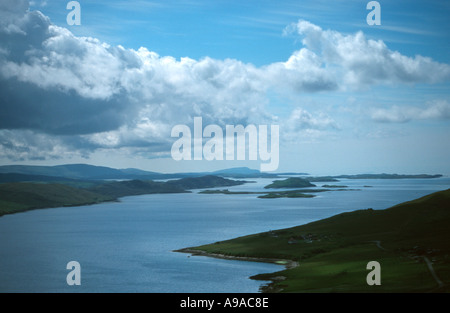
(292, 240)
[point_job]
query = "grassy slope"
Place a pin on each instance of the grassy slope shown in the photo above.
(21, 196)
(333, 253)
(16, 197)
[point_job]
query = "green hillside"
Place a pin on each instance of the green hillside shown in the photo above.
(21, 196)
(333, 253)
(16, 197)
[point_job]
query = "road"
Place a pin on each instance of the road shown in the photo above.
(427, 261)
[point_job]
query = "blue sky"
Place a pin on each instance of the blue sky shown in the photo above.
(349, 97)
(252, 30)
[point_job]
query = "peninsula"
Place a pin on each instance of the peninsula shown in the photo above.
(409, 240)
(23, 196)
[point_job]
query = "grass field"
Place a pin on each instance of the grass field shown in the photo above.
(332, 254)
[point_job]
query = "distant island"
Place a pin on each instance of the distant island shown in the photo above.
(296, 193)
(293, 182)
(409, 240)
(287, 194)
(25, 187)
(228, 192)
(304, 193)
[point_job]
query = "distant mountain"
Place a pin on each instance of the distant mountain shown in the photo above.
(136, 171)
(16, 177)
(291, 174)
(236, 172)
(387, 176)
(92, 172)
(74, 171)
(82, 171)
(243, 172)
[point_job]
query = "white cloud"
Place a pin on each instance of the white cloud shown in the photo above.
(100, 96)
(301, 119)
(360, 61)
(304, 71)
(304, 126)
(400, 114)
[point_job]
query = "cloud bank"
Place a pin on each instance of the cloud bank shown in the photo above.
(61, 94)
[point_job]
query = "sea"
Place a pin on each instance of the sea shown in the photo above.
(128, 246)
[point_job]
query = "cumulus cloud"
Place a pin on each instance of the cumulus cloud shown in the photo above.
(401, 114)
(81, 94)
(361, 61)
(304, 126)
(301, 119)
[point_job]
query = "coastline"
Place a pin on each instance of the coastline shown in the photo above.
(334, 251)
(272, 277)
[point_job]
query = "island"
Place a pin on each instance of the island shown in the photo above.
(410, 241)
(286, 194)
(292, 182)
(297, 193)
(26, 187)
(228, 192)
(320, 179)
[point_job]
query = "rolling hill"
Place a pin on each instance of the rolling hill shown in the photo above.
(18, 197)
(411, 241)
(21, 196)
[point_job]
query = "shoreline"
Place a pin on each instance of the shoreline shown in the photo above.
(288, 264)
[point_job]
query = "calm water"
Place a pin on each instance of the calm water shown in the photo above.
(127, 246)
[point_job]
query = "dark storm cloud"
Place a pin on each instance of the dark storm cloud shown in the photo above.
(26, 106)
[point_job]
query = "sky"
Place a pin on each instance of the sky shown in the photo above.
(348, 97)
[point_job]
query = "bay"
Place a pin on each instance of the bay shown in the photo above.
(127, 246)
